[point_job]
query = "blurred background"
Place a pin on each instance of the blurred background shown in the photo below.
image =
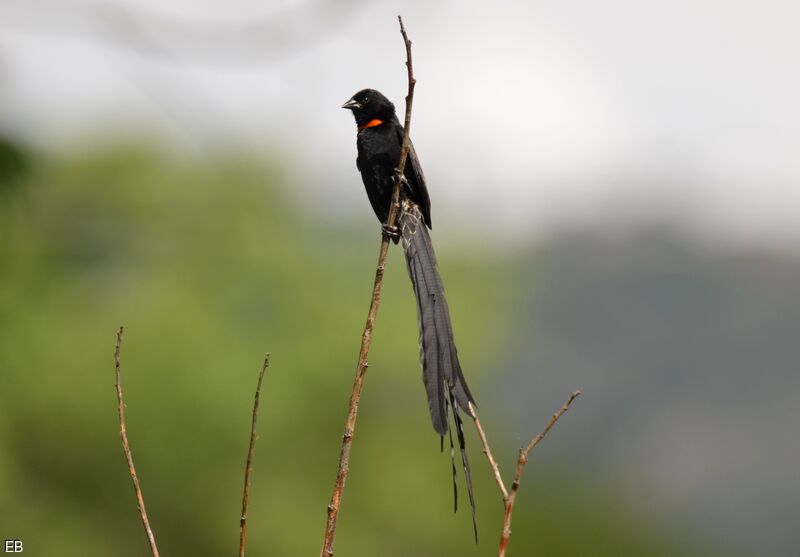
(615, 198)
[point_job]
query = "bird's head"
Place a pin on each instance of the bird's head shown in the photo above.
(368, 106)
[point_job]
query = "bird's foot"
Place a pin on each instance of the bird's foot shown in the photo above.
(391, 232)
(399, 176)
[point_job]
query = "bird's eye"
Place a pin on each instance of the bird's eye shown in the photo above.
(366, 100)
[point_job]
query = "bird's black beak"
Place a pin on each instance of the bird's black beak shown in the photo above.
(351, 104)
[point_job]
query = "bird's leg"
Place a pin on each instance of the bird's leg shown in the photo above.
(400, 176)
(392, 231)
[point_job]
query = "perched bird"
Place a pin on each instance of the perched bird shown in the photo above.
(379, 142)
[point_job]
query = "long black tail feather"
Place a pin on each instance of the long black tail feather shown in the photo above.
(455, 475)
(441, 371)
(465, 462)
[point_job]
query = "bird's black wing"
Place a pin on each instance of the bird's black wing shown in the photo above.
(417, 189)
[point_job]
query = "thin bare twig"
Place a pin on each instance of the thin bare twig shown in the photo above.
(488, 452)
(524, 454)
(366, 337)
(123, 433)
(509, 496)
(249, 465)
(412, 82)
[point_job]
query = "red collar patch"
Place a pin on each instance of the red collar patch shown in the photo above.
(370, 124)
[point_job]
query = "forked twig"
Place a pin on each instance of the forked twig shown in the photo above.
(249, 465)
(123, 433)
(366, 337)
(510, 495)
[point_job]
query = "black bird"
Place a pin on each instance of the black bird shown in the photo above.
(379, 141)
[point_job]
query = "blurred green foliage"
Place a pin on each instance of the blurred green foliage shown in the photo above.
(13, 164)
(208, 267)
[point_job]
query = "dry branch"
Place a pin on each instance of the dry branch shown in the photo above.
(488, 452)
(510, 495)
(123, 433)
(366, 337)
(249, 465)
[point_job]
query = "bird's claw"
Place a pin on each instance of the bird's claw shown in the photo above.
(399, 176)
(391, 232)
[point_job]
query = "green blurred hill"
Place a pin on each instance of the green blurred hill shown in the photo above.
(208, 268)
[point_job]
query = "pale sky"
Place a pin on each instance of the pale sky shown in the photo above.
(537, 116)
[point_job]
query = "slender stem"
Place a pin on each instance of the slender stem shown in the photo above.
(366, 337)
(412, 82)
(488, 452)
(248, 469)
(123, 433)
(524, 454)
